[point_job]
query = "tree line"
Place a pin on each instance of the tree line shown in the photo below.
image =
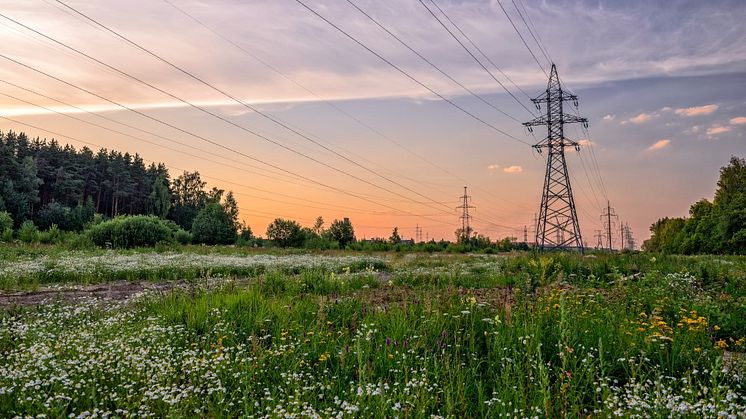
(717, 227)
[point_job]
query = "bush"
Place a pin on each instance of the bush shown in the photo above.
(8, 235)
(28, 233)
(51, 236)
(6, 221)
(213, 225)
(131, 231)
(182, 236)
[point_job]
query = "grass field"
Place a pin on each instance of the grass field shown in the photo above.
(234, 332)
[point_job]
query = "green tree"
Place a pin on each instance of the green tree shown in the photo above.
(342, 232)
(188, 197)
(395, 237)
(318, 226)
(285, 233)
(213, 225)
(160, 197)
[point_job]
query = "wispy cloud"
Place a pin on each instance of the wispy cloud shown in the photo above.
(697, 110)
(513, 169)
(739, 120)
(641, 118)
(493, 167)
(659, 145)
(718, 129)
(609, 117)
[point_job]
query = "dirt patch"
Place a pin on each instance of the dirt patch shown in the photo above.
(118, 290)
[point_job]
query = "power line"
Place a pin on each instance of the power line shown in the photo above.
(250, 107)
(531, 32)
(216, 178)
(311, 92)
(316, 95)
(482, 53)
(521, 36)
(201, 109)
(471, 54)
(393, 35)
(358, 196)
(273, 173)
(399, 69)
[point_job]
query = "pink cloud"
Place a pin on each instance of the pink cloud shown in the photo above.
(718, 129)
(513, 169)
(697, 110)
(739, 120)
(659, 145)
(643, 117)
(493, 167)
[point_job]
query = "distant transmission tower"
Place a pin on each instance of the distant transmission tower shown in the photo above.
(418, 233)
(608, 224)
(599, 239)
(558, 226)
(465, 217)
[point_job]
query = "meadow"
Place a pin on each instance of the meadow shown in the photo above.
(257, 333)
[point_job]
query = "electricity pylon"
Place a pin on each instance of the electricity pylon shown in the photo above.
(599, 239)
(608, 224)
(465, 217)
(557, 214)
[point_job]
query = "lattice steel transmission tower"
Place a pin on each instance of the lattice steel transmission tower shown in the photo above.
(558, 226)
(608, 224)
(465, 217)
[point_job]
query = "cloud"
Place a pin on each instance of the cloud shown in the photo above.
(697, 110)
(739, 120)
(718, 129)
(609, 117)
(513, 169)
(586, 142)
(493, 167)
(641, 118)
(659, 145)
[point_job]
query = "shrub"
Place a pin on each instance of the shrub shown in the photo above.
(131, 231)
(28, 233)
(51, 235)
(182, 236)
(8, 235)
(213, 225)
(6, 221)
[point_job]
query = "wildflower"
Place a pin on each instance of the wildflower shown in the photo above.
(721, 344)
(324, 357)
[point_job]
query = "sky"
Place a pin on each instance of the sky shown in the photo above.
(371, 131)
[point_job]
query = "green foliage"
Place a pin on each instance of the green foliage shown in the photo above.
(6, 221)
(52, 235)
(160, 197)
(395, 238)
(131, 231)
(717, 227)
(183, 236)
(66, 219)
(214, 225)
(342, 232)
(188, 197)
(28, 233)
(285, 233)
(7, 236)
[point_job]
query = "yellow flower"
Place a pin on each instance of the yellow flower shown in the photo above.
(324, 357)
(391, 356)
(697, 349)
(556, 306)
(721, 344)
(716, 327)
